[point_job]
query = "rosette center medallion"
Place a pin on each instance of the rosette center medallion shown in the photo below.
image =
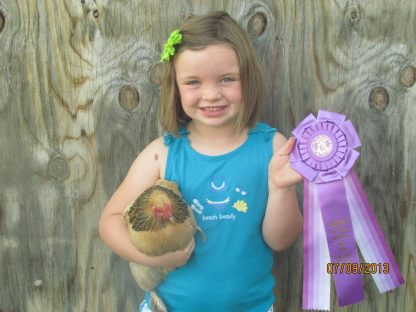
(321, 145)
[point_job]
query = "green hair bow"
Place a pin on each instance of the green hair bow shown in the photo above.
(169, 48)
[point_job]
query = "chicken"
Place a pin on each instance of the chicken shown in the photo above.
(158, 221)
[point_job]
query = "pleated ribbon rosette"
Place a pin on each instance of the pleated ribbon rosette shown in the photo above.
(337, 216)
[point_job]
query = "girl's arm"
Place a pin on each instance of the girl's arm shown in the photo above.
(282, 223)
(144, 172)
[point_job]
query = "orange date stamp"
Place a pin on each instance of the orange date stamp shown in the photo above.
(357, 268)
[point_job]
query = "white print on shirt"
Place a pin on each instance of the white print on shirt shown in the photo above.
(219, 216)
(218, 188)
(225, 201)
(237, 189)
(197, 207)
(219, 199)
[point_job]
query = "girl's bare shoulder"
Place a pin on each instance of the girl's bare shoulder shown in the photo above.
(154, 156)
(145, 170)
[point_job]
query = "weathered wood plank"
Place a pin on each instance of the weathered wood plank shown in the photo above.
(79, 96)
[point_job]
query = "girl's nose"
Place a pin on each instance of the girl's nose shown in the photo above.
(211, 93)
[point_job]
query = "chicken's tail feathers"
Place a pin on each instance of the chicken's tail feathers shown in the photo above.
(156, 303)
(201, 233)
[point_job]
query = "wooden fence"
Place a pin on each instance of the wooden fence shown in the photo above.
(79, 90)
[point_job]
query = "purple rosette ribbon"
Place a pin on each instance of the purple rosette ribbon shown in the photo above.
(337, 216)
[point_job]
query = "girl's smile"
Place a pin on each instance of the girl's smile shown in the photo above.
(209, 85)
(213, 111)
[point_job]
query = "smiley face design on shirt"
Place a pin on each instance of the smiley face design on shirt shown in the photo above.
(220, 197)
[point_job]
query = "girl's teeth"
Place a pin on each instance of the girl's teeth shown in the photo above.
(213, 109)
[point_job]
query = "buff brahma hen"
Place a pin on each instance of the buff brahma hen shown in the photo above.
(159, 221)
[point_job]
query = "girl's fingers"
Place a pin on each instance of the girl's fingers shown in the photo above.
(287, 148)
(191, 246)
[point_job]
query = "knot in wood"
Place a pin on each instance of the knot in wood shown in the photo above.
(58, 168)
(128, 97)
(379, 99)
(90, 5)
(2, 21)
(352, 13)
(155, 73)
(257, 24)
(408, 76)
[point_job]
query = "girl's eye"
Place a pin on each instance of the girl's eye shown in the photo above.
(227, 80)
(192, 83)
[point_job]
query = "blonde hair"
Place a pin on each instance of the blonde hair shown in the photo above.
(197, 33)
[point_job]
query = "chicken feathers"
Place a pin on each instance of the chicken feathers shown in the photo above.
(158, 221)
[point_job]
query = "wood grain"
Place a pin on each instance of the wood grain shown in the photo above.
(78, 101)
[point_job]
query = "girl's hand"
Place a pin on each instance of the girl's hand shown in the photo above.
(281, 173)
(175, 259)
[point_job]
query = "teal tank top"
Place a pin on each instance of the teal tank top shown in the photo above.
(232, 269)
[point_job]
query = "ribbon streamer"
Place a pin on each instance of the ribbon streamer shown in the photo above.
(337, 216)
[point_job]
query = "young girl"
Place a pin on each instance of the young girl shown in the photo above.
(233, 171)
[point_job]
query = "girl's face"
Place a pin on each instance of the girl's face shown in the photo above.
(209, 85)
